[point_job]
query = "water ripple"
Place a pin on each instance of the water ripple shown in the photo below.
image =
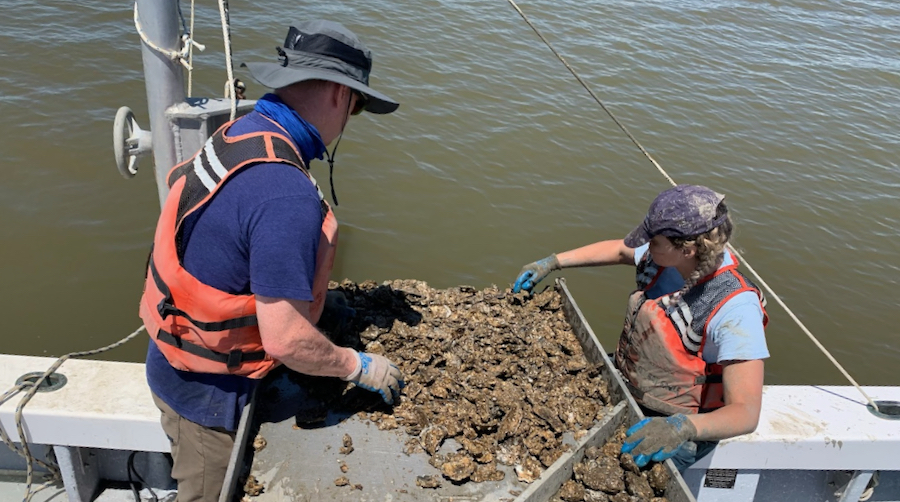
(497, 156)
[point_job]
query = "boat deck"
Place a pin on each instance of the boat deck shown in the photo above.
(815, 427)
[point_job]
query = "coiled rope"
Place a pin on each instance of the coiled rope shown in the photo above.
(33, 387)
(672, 182)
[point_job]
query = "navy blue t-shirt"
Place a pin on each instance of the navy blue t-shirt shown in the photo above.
(259, 234)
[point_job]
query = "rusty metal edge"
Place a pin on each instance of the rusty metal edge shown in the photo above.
(236, 461)
(553, 478)
(544, 487)
(677, 491)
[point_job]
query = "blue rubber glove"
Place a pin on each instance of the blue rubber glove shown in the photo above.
(658, 438)
(377, 374)
(533, 273)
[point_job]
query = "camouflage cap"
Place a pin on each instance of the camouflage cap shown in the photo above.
(681, 211)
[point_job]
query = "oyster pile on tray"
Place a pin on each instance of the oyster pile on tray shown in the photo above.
(500, 374)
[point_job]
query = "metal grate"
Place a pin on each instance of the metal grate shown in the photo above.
(720, 478)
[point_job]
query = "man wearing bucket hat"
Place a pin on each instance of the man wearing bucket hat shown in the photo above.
(692, 348)
(238, 276)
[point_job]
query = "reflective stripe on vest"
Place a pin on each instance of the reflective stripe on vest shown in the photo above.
(660, 353)
(199, 328)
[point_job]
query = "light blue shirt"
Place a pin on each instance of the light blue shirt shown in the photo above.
(735, 332)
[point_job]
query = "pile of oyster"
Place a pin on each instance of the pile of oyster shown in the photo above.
(501, 374)
(606, 475)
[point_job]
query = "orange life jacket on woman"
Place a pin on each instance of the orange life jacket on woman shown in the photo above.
(660, 351)
(197, 327)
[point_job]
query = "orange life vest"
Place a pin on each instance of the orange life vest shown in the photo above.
(660, 351)
(197, 327)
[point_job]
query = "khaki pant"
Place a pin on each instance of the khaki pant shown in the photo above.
(200, 454)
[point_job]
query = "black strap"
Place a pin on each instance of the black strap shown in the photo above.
(320, 44)
(700, 380)
(230, 155)
(232, 359)
(707, 379)
(635, 392)
(330, 157)
(166, 307)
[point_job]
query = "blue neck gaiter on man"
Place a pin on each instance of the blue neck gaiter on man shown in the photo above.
(302, 132)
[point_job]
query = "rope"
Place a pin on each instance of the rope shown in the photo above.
(3, 436)
(191, 52)
(54, 473)
(591, 92)
(33, 387)
(226, 36)
(181, 56)
(187, 38)
(672, 182)
(802, 326)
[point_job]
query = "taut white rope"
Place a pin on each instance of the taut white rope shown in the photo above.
(226, 35)
(672, 182)
(191, 54)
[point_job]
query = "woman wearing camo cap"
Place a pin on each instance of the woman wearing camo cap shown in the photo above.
(693, 344)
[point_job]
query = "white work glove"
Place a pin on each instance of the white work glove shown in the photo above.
(377, 374)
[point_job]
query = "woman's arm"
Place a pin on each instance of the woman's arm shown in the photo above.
(599, 253)
(612, 252)
(743, 383)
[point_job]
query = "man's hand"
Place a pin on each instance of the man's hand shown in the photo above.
(533, 273)
(658, 438)
(377, 374)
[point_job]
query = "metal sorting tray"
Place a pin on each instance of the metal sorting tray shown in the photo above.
(304, 464)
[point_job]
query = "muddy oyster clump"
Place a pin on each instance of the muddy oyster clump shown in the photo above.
(346, 445)
(253, 487)
(500, 374)
(606, 475)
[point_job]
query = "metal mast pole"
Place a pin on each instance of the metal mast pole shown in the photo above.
(164, 80)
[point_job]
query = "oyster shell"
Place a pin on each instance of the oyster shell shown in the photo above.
(502, 374)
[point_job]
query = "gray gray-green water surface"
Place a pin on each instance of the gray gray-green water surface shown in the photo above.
(496, 157)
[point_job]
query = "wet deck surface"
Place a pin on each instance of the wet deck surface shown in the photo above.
(303, 463)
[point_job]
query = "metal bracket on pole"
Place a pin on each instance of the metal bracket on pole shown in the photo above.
(856, 487)
(80, 472)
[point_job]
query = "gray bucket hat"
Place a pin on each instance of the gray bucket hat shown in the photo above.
(681, 211)
(323, 50)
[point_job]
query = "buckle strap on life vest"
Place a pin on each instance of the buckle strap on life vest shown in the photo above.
(232, 359)
(638, 394)
(700, 380)
(705, 379)
(166, 307)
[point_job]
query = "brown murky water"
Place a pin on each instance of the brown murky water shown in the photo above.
(496, 157)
